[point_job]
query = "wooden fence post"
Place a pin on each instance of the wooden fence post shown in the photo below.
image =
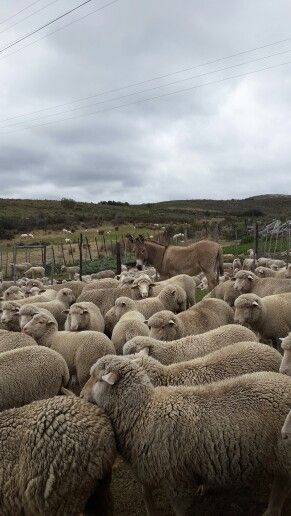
(81, 255)
(89, 250)
(104, 243)
(53, 263)
(97, 248)
(72, 254)
(118, 258)
(14, 264)
(64, 259)
(6, 264)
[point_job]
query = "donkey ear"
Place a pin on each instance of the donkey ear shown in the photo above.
(130, 237)
(141, 238)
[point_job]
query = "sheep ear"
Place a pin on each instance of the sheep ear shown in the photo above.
(110, 378)
(42, 290)
(173, 292)
(171, 322)
(117, 276)
(66, 311)
(146, 322)
(85, 311)
(254, 303)
(134, 286)
(144, 352)
(250, 277)
(152, 285)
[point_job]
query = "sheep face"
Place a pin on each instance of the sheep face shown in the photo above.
(66, 296)
(78, 318)
(13, 293)
(110, 372)
(285, 367)
(137, 346)
(243, 281)
(123, 305)
(143, 284)
(10, 316)
(38, 325)
(164, 326)
(247, 311)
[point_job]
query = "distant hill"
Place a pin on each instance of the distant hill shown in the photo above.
(26, 215)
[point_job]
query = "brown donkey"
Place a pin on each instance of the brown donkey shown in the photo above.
(205, 256)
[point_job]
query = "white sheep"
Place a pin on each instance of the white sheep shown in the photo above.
(35, 272)
(190, 347)
(84, 316)
(129, 326)
(30, 373)
(80, 350)
(233, 360)
(176, 437)
(204, 316)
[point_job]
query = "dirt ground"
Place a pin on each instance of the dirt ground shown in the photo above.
(128, 500)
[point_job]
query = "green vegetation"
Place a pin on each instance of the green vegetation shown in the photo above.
(226, 217)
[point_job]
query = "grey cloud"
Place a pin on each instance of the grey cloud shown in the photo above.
(223, 140)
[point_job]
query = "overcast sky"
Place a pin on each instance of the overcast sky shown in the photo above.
(227, 139)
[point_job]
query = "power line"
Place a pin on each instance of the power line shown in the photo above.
(19, 12)
(44, 26)
(29, 16)
(61, 28)
(140, 83)
(139, 101)
(156, 87)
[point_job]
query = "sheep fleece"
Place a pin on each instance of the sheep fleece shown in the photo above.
(52, 454)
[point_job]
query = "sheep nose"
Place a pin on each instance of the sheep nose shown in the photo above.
(285, 370)
(285, 435)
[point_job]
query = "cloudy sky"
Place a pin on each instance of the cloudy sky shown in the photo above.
(104, 109)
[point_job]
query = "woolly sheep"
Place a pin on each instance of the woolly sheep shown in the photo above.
(248, 282)
(103, 274)
(101, 283)
(35, 272)
(206, 315)
(270, 316)
(249, 264)
(10, 315)
(75, 269)
(285, 367)
(224, 291)
(20, 267)
(264, 272)
(12, 340)
(58, 306)
(190, 347)
(75, 286)
(228, 257)
(30, 373)
(80, 350)
(13, 293)
(148, 288)
(129, 325)
(233, 360)
(267, 262)
(176, 437)
(56, 456)
(105, 298)
(171, 298)
(84, 316)
(236, 264)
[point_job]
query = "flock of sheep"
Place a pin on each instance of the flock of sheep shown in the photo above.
(191, 395)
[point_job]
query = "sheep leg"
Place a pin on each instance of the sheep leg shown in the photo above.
(149, 501)
(280, 489)
(100, 502)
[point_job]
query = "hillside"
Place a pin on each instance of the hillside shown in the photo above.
(27, 215)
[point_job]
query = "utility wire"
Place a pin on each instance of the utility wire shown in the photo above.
(60, 28)
(19, 12)
(157, 77)
(29, 16)
(153, 88)
(162, 95)
(44, 26)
